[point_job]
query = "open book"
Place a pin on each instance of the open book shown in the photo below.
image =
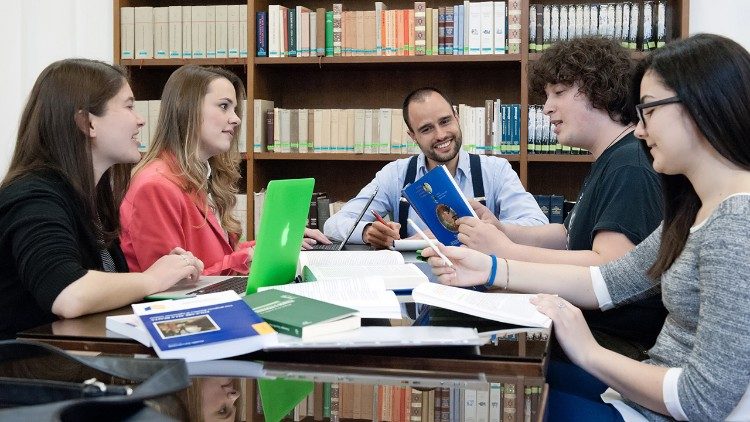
(439, 203)
(388, 266)
(510, 308)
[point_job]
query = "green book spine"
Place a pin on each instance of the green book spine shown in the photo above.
(329, 34)
(326, 399)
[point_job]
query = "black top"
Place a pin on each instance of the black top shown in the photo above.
(622, 194)
(46, 243)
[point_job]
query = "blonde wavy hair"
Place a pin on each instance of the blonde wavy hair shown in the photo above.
(178, 134)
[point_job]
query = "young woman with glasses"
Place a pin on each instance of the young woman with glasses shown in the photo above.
(694, 115)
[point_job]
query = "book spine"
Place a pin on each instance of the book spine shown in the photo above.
(291, 45)
(441, 30)
(337, 9)
(329, 35)
(449, 30)
(420, 27)
(261, 35)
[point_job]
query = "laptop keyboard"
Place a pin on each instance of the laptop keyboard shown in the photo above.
(238, 284)
(322, 247)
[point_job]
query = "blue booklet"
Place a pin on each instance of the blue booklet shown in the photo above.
(206, 327)
(439, 203)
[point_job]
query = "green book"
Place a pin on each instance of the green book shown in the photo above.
(301, 316)
(329, 34)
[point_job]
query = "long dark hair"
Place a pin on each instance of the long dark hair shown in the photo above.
(52, 135)
(711, 76)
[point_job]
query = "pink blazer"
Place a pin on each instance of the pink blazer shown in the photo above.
(156, 216)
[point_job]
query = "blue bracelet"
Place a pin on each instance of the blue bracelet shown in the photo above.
(493, 270)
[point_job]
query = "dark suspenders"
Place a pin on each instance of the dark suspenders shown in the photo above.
(411, 173)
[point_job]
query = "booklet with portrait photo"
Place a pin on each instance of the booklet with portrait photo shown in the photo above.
(439, 202)
(211, 326)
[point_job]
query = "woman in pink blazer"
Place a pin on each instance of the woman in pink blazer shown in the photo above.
(183, 191)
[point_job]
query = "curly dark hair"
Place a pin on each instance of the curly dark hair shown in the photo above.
(600, 67)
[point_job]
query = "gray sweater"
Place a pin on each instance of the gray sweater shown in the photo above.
(707, 294)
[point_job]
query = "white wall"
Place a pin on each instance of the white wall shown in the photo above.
(723, 17)
(39, 32)
(42, 31)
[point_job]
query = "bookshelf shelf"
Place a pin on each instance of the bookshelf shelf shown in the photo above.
(263, 61)
(371, 82)
(559, 158)
(181, 62)
(341, 157)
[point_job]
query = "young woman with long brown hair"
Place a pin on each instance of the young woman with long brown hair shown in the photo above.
(58, 216)
(183, 191)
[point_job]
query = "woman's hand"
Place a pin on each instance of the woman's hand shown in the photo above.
(470, 268)
(571, 329)
(313, 236)
(176, 266)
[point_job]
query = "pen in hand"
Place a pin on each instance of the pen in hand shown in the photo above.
(379, 218)
(429, 242)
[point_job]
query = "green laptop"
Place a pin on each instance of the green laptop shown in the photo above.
(282, 226)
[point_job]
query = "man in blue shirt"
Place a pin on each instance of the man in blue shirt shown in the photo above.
(433, 125)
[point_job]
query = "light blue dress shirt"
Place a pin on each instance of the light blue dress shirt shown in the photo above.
(506, 197)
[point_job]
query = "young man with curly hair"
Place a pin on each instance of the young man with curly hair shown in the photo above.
(586, 84)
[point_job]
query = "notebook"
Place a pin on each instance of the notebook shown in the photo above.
(282, 226)
(339, 246)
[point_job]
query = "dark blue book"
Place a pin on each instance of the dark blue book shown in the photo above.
(292, 32)
(556, 204)
(439, 203)
(543, 201)
(206, 327)
(261, 34)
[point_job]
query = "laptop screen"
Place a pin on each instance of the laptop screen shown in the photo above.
(282, 226)
(359, 218)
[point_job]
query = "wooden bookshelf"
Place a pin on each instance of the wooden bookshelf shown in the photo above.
(375, 82)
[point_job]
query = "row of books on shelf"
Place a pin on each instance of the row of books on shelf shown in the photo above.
(468, 28)
(542, 138)
(149, 110)
(623, 22)
(500, 401)
(492, 129)
(183, 32)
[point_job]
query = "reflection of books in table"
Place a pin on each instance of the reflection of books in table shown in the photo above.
(504, 307)
(385, 337)
(367, 295)
(212, 326)
(301, 316)
(439, 202)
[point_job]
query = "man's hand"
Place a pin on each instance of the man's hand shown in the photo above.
(380, 235)
(312, 237)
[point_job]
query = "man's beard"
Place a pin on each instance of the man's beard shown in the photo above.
(444, 158)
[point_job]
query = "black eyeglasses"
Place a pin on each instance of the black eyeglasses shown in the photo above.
(640, 107)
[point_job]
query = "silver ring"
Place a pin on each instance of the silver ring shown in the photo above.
(186, 259)
(560, 304)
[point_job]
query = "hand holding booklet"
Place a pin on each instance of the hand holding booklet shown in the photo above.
(511, 308)
(439, 202)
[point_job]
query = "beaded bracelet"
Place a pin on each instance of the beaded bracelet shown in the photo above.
(493, 271)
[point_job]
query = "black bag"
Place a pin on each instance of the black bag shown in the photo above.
(39, 383)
